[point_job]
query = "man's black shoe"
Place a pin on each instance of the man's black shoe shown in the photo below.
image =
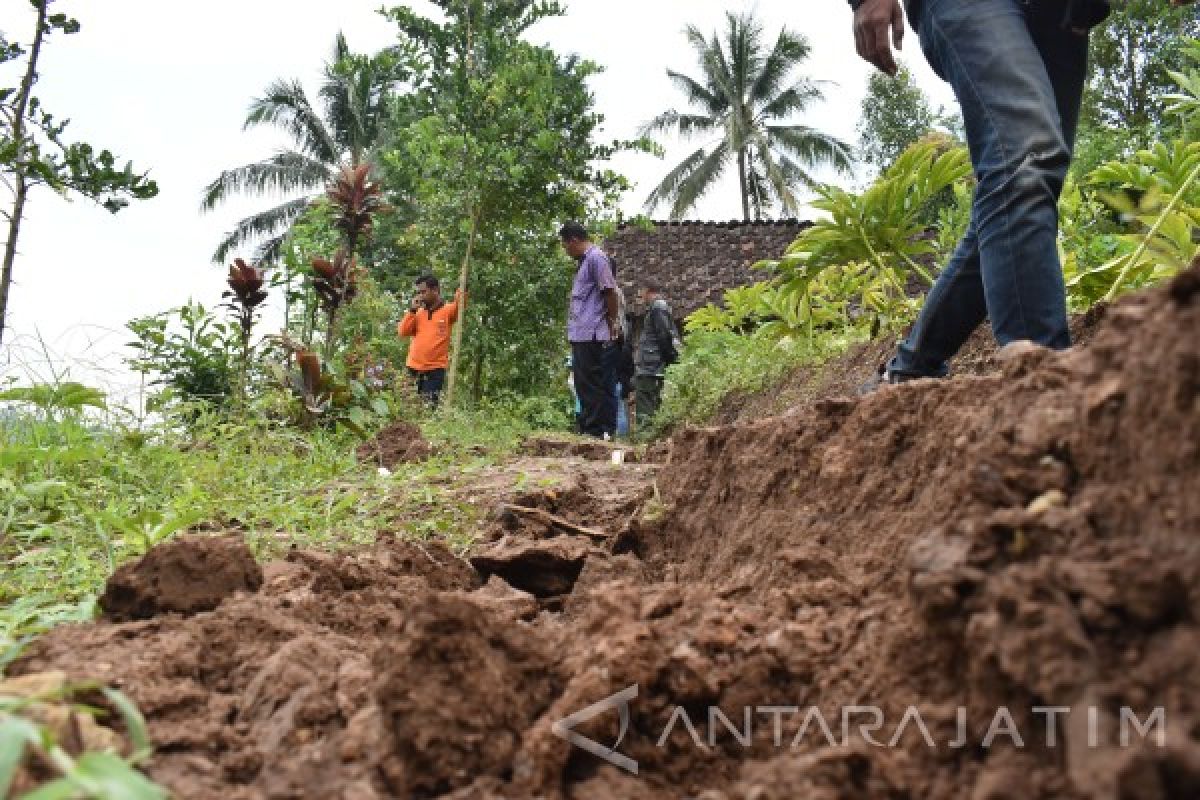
(883, 377)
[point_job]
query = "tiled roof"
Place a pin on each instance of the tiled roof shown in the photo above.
(696, 261)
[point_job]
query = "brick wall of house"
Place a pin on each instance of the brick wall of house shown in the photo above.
(697, 261)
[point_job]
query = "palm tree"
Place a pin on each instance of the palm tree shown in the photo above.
(744, 101)
(354, 102)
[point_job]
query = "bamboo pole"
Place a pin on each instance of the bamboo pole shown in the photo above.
(464, 275)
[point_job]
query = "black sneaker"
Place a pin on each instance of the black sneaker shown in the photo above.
(883, 377)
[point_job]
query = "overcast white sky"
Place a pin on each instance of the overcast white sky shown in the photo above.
(166, 85)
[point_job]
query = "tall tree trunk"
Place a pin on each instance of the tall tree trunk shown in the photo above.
(465, 272)
(10, 248)
(463, 275)
(20, 184)
(742, 185)
(477, 377)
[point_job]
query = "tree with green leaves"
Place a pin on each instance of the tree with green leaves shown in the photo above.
(1131, 59)
(33, 151)
(895, 115)
(745, 101)
(493, 149)
(346, 131)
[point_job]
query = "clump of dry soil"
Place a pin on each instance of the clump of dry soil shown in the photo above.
(188, 574)
(400, 443)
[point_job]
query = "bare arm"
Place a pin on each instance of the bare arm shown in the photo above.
(873, 21)
(408, 325)
(612, 311)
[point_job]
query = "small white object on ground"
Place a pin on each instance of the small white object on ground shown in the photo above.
(618, 457)
(384, 472)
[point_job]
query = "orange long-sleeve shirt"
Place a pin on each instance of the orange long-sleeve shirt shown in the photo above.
(430, 334)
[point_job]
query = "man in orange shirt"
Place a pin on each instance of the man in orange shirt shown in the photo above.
(428, 323)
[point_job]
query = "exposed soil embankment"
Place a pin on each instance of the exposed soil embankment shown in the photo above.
(943, 561)
(841, 376)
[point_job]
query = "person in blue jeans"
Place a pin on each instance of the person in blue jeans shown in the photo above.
(1018, 69)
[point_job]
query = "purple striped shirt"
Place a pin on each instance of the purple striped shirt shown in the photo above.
(588, 318)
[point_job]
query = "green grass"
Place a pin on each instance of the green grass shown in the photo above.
(717, 365)
(79, 496)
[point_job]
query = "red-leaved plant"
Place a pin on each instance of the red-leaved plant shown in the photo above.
(336, 284)
(311, 383)
(328, 400)
(357, 199)
(245, 295)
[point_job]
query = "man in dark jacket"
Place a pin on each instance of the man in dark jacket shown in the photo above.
(1018, 69)
(658, 348)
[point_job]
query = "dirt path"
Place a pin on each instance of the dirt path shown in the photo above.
(1024, 538)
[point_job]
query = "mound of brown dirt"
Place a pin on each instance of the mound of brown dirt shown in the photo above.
(188, 574)
(457, 690)
(844, 374)
(399, 443)
(1017, 540)
(960, 589)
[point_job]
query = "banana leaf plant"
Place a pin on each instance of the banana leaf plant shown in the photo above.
(1158, 193)
(245, 294)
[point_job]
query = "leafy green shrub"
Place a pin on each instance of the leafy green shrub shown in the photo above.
(717, 364)
(1157, 195)
(884, 226)
(848, 274)
(57, 400)
(843, 280)
(541, 412)
(189, 351)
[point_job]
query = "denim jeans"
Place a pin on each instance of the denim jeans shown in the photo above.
(1019, 77)
(622, 416)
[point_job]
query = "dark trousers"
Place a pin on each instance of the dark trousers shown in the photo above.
(595, 385)
(1019, 78)
(648, 398)
(429, 384)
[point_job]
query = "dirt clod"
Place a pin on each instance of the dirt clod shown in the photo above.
(457, 687)
(188, 574)
(401, 443)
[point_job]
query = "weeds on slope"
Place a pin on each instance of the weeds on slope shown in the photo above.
(82, 492)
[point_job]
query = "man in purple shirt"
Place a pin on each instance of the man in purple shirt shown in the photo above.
(592, 328)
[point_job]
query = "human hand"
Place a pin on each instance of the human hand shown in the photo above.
(872, 22)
